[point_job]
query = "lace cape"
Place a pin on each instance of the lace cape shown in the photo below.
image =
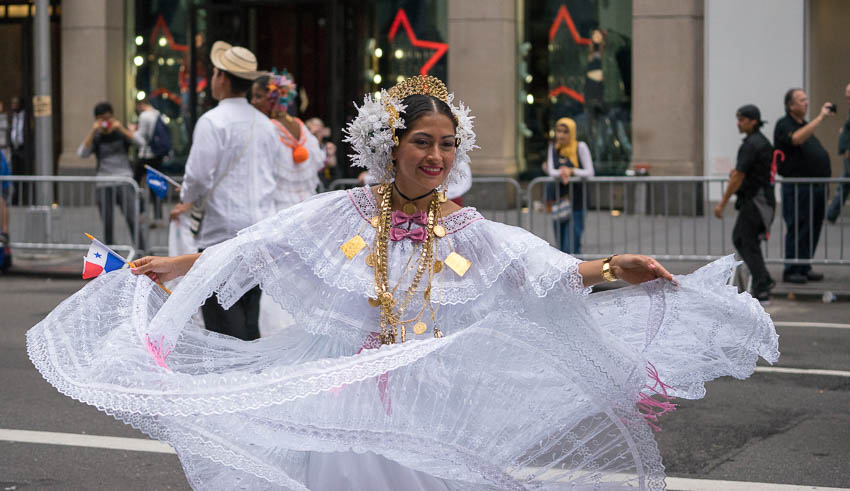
(534, 384)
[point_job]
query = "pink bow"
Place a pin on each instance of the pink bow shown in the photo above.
(400, 218)
(418, 234)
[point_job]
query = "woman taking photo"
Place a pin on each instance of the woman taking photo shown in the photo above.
(569, 159)
(432, 348)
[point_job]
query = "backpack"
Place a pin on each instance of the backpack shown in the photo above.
(160, 139)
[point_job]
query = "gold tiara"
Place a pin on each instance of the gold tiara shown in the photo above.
(420, 84)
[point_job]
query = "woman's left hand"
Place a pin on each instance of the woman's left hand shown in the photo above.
(636, 269)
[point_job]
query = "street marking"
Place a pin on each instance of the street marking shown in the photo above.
(142, 445)
(803, 371)
(811, 324)
(683, 484)
(91, 441)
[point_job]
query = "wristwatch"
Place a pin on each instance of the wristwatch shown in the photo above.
(607, 274)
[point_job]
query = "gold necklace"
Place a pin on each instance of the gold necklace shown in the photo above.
(392, 323)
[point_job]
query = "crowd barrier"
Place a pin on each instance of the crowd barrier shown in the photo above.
(53, 213)
(671, 218)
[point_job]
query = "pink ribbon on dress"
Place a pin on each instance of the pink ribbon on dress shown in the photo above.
(400, 218)
(416, 234)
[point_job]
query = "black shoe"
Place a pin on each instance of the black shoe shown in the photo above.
(795, 278)
(762, 296)
(767, 287)
(812, 276)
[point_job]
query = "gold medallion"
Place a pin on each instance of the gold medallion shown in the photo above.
(353, 246)
(375, 221)
(387, 298)
(439, 230)
(442, 197)
(409, 208)
(458, 263)
(381, 189)
(374, 302)
(370, 260)
(438, 266)
(419, 328)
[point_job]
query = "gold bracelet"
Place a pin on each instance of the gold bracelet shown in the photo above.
(607, 273)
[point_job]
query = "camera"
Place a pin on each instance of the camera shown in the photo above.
(832, 108)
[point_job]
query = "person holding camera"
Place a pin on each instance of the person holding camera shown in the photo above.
(803, 204)
(110, 142)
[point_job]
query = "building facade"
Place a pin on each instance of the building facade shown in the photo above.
(653, 82)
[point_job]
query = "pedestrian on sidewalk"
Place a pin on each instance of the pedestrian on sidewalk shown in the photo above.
(842, 190)
(146, 134)
(232, 174)
(803, 204)
(752, 182)
(110, 142)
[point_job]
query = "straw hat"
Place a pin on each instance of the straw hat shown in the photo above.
(236, 60)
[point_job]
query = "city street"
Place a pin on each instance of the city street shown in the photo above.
(779, 428)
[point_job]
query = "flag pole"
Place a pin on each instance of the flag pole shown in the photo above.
(170, 180)
(128, 263)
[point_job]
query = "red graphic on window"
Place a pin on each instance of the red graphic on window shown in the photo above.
(563, 16)
(440, 48)
(162, 26)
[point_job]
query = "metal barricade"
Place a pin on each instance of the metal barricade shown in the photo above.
(52, 213)
(672, 218)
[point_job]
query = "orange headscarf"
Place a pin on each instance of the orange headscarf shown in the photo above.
(570, 150)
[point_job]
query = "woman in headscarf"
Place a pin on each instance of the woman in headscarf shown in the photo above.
(569, 158)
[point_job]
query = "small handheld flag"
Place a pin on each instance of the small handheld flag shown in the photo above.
(100, 259)
(157, 184)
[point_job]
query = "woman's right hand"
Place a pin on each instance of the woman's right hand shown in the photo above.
(164, 268)
(566, 173)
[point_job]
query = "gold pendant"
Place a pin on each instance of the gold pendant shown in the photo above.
(375, 221)
(439, 230)
(419, 328)
(409, 208)
(381, 189)
(438, 266)
(458, 263)
(374, 302)
(370, 260)
(403, 333)
(353, 246)
(387, 298)
(442, 197)
(438, 333)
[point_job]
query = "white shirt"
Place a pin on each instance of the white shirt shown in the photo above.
(246, 193)
(144, 134)
(586, 169)
(17, 135)
(299, 181)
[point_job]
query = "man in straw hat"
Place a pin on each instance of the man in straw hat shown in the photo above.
(231, 174)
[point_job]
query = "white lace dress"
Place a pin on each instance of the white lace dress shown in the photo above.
(535, 384)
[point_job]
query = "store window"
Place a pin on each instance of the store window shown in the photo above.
(409, 37)
(576, 62)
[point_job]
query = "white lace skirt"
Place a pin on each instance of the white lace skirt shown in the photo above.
(511, 399)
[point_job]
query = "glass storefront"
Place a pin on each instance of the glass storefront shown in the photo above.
(575, 61)
(336, 50)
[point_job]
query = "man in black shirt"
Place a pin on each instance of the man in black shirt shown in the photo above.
(803, 204)
(752, 182)
(842, 190)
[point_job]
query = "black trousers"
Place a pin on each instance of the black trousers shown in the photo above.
(745, 235)
(241, 320)
(107, 197)
(140, 175)
(803, 207)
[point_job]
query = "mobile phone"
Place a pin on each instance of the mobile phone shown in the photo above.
(832, 108)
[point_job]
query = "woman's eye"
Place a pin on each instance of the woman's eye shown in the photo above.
(447, 145)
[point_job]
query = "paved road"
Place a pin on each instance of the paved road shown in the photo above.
(772, 428)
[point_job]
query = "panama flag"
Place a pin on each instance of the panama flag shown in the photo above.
(100, 259)
(157, 183)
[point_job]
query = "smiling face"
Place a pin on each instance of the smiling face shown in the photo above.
(425, 154)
